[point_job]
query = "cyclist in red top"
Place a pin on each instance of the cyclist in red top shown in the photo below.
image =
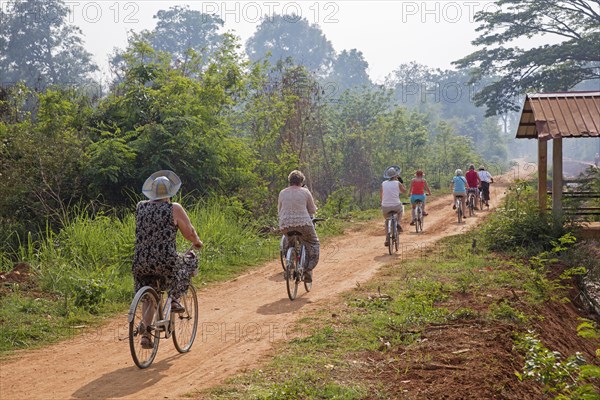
(417, 192)
(473, 181)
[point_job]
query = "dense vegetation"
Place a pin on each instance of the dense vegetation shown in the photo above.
(230, 128)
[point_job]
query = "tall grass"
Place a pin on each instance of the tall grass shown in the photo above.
(85, 269)
(230, 239)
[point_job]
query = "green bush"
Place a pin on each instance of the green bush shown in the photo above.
(518, 226)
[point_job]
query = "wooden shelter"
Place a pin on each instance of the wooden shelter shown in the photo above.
(554, 116)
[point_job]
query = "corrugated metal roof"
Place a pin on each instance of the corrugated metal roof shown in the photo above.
(565, 114)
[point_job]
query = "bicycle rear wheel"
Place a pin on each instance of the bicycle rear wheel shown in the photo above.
(281, 252)
(481, 202)
(419, 223)
(142, 317)
(291, 278)
(396, 236)
(471, 205)
(185, 324)
(390, 235)
(459, 212)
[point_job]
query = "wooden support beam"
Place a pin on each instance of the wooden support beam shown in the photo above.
(557, 176)
(542, 173)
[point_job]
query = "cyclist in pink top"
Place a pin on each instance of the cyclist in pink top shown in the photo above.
(417, 192)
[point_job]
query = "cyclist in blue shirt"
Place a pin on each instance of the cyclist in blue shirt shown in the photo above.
(459, 187)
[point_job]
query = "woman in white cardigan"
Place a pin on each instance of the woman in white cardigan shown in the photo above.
(296, 208)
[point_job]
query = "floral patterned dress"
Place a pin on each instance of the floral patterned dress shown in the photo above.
(155, 253)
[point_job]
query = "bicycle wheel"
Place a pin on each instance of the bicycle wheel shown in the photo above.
(481, 202)
(419, 223)
(390, 235)
(281, 252)
(459, 212)
(396, 236)
(291, 278)
(144, 304)
(185, 324)
(471, 205)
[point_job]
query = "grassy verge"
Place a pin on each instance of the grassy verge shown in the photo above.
(454, 310)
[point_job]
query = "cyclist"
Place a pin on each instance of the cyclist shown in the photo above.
(459, 187)
(485, 178)
(416, 190)
(155, 252)
(473, 181)
(296, 208)
(390, 194)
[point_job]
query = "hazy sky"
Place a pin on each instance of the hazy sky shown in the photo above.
(388, 33)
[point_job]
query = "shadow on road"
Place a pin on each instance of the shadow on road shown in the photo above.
(126, 381)
(284, 305)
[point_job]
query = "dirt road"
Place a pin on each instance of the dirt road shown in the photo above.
(240, 320)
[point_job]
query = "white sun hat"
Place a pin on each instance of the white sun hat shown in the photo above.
(161, 185)
(392, 171)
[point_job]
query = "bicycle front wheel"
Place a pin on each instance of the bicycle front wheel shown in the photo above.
(142, 317)
(291, 278)
(185, 324)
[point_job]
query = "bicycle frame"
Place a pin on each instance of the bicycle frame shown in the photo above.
(165, 316)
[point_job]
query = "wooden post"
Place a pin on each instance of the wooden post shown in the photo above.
(557, 176)
(542, 174)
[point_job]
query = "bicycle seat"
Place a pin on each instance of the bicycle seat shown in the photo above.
(293, 233)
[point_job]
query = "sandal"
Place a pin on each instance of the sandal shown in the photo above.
(146, 342)
(176, 307)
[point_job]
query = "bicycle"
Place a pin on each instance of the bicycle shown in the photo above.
(163, 321)
(419, 217)
(295, 262)
(481, 200)
(458, 205)
(471, 202)
(391, 232)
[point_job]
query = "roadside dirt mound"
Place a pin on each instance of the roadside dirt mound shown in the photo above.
(240, 321)
(472, 358)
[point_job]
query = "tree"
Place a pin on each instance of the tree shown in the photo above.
(550, 67)
(39, 47)
(282, 36)
(350, 71)
(179, 31)
(167, 117)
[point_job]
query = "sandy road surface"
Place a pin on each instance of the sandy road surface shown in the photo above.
(240, 320)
